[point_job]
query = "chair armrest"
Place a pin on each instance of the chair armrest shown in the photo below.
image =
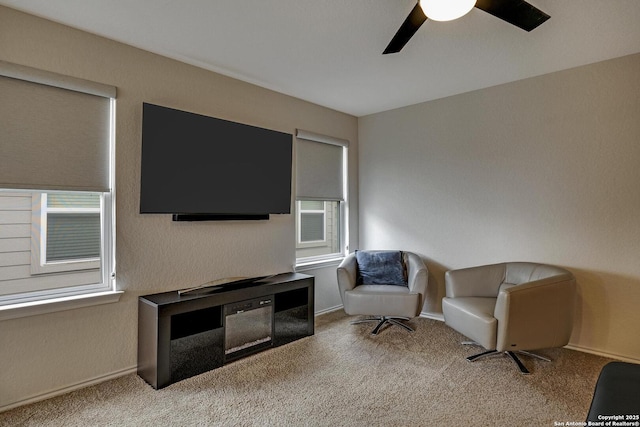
(482, 281)
(537, 314)
(347, 274)
(417, 275)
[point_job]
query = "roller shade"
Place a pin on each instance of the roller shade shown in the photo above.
(319, 167)
(54, 131)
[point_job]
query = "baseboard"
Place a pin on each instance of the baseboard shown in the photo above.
(69, 389)
(329, 310)
(433, 316)
(602, 353)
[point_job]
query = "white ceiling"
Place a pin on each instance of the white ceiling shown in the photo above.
(329, 51)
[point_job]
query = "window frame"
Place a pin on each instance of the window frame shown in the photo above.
(299, 213)
(303, 263)
(52, 299)
(318, 260)
(45, 300)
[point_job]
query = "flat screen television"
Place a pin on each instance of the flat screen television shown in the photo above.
(204, 168)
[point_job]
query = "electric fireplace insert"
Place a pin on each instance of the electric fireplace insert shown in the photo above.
(248, 327)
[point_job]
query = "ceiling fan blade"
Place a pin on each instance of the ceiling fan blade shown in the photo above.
(408, 28)
(516, 12)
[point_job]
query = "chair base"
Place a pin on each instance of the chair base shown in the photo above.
(512, 354)
(382, 320)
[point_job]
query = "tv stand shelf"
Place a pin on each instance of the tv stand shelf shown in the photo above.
(180, 336)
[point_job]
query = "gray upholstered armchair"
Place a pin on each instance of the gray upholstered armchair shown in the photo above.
(373, 288)
(511, 307)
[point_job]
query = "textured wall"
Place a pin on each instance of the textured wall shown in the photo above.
(46, 353)
(544, 169)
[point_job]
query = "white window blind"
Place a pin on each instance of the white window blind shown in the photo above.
(319, 167)
(48, 119)
(73, 226)
(312, 221)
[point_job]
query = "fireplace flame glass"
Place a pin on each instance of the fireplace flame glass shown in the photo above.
(248, 326)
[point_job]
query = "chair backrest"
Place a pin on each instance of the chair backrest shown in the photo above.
(481, 281)
(489, 280)
(517, 273)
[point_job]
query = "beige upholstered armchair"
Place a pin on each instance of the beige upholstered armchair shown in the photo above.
(511, 307)
(389, 286)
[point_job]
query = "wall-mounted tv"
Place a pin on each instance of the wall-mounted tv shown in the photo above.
(204, 168)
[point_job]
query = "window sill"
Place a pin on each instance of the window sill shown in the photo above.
(310, 265)
(34, 308)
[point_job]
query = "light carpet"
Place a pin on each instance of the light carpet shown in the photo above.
(343, 376)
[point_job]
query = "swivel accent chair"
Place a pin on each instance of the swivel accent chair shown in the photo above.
(511, 307)
(388, 286)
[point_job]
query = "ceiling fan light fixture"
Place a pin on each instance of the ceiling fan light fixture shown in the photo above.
(446, 10)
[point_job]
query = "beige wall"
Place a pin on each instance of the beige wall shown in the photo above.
(545, 169)
(47, 353)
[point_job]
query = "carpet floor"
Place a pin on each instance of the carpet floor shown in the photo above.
(343, 376)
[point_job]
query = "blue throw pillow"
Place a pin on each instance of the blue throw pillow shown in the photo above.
(380, 268)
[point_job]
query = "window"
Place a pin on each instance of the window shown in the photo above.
(73, 227)
(312, 221)
(318, 228)
(56, 202)
(67, 231)
(321, 231)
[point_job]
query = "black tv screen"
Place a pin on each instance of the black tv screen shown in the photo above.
(198, 165)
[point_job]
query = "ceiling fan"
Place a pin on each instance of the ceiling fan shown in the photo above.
(516, 12)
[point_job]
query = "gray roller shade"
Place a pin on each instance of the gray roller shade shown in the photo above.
(54, 131)
(319, 167)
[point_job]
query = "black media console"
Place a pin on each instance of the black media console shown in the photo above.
(182, 335)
